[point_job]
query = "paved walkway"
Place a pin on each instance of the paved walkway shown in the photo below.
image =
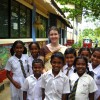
(5, 94)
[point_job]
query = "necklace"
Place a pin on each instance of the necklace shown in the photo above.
(54, 48)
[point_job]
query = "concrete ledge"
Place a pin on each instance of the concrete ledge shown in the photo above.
(10, 41)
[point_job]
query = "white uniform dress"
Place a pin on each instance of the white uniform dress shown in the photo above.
(14, 66)
(65, 69)
(55, 86)
(96, 78)
(30, 60)
(33, 88)
(86, 85)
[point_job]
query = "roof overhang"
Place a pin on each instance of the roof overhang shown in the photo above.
(63, 20)
(49, 6)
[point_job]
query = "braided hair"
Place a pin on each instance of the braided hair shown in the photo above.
(14, 45)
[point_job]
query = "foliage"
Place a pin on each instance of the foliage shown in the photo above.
(88, 34)
(92, 34)
(77, 45)
(97, 31)
(85, 7)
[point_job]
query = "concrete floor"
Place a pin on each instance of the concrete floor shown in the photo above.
(5, 94)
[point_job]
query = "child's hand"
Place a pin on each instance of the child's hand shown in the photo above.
(17, 85)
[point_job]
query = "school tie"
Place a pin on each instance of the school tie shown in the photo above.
(73, 92)
(22, 68)
(68, 69)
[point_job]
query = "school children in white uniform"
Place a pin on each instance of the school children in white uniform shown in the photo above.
(55, 86)
(13, 65)
(69, 56)
(95, 67)
(96, 78)
(83, 85)
(17, 65)
(86, 85)
(33, 88)
(34, 49)
(32, 85)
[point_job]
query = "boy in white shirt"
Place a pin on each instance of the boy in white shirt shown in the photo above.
(31, 87)
(55, 84)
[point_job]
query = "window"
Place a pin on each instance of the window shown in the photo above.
(3, 18)
(20, 21)
(15, 20)
(41, 26)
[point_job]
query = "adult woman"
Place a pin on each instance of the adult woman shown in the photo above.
(54, 46)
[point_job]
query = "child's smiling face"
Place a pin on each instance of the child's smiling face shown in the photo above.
(80, 66)
(57, 64)
(19, 48)
(69, 59)
(37, 69)
(95, 58)
(34, 50)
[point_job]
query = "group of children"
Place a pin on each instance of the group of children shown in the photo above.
(72, 77)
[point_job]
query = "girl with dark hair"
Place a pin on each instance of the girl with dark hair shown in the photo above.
(17, 64)
(14, 45)
(69, 55)
(95, 67)
(83, 85)
(34, 49)
(85, 52)
(54, 46)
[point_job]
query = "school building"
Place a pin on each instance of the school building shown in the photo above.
(28, 20)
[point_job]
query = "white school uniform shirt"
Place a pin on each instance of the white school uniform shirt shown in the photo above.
(64, 70)
(30, 60)
(33, 88)
(55, 86)
(13, 65)
(96, 78)
(86, 85)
